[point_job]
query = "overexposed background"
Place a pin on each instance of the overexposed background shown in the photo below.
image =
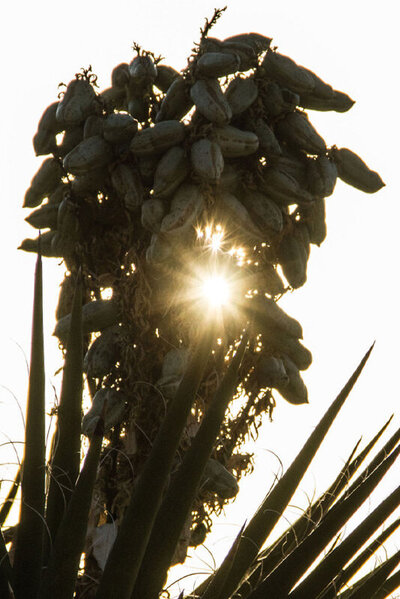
(351, 296)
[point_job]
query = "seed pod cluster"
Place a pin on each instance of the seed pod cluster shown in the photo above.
(138, 181)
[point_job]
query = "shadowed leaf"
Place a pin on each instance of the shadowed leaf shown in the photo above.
(9, 500)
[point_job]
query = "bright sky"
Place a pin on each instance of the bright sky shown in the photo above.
(350, 298)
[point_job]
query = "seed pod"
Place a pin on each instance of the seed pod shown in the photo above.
(176, 103)
(232, 210)
(43, 183)
(71, 138)
(291, 258)
(93, 126)
(259, 43)
(293, 164)
(143, 70)
(147, 166)
(32, 245)
(114, 402)
(219, 480)
(322, 175)
(210, 101)
(235, 142)
(277, 101)
(62, 245)
(165, 77)
(321, 89)
(314, 218)
(297, 131)
(216, 64)
(58, 194)
(77, 102)
(65, 297)
(92, 153)
(263, 210)
(157, 139)
(210, 44)
(127, 183)
(269, 315)
(90, 183)
(138, 107)
(67, 220)
(241, 93)
(266, 137)
(173, 369)
(287, 73)
(186, 205)
(102, 539)
(159, 250)
(271, 281)
(283, 188)
(171, 171)
(153, 211)
(96, 316)
(339, 102)
(270, 372)
(114, 98)
(119, 128)
(44, 217)
(353, 171)
(230, 178)
(103, 353)
(207, 160)
(120, 75)
(295, 391)
(44, 142)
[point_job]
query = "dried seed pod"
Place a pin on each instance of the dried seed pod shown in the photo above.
(295, 391)
(259, 43)
(159, 250)
(283, 188)
(207, 160)
(77, 102)
(216, 64)
(96, 316)
(138, 107)
(322, 175)
(240, 222)
(43, 183)
(210, 101)
(127, 183)
(45, 239)
(186, 205)
(210, 44)
(153, 211)
(67, 220)
(90, 183)
(296, 130)
(353, 171)
(44, 142)
(314, 218)
(93, 126)
(293, 164)
(92, 153)
(263, 210)
(287, 73)
(165, 77)
(143, 70)
(277, 101)
(268, 315)
(157, 139)
(173, 369)
(114, 98)
(101, 542)
(339, 102)
(270, 372)
(44, 217)
(177, 101)
(219, 480)
(65, 297)
(234, 142)
(241, 93)
(266, 137)
(271, 281)
(291, 258)
(171, 171)
(103, 353)
(114, 402)
(120, 75)
(119, 128)
(321, 89)
(71, 138)
(58, 194)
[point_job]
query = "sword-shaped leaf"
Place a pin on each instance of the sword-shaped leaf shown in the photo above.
(28, 550)
(377, 580)
(9, 500)
(127, 553)
(178, 501)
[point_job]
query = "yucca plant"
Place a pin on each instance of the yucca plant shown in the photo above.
(150, 202)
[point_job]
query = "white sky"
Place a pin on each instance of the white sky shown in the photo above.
(351, 295)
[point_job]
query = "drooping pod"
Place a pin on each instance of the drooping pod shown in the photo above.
(266, 137)
(120, 75)
(177, 101)
(143, 70)
(287, 73)
(157, 139)
(269, 315)
(277, 101)
(219, 480)
(96, 316)
(91, 154)
(339, 102)
(186, 205)
(297, 131)
(45, 241)
(171, 171)
(291, 259)
(119, 128)
(294, 391)
(313, 217)
(234, 142)
(44, 217)
(44, 182)
(216, 64)
(241, 93)
(264, 211)
(210, 101)
(113, 401)
(128, 185)
(153, 211)
(173, 369)
(44, 140)
(165, 77)
(103, 353)
(353, 171)
(77, 103)
(207, 160)
(71, 138)
(283, 188)
(232, 211)
(321, 175)
(270, 372)
(259, 43)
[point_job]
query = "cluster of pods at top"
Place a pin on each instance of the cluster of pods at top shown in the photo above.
(227, 139)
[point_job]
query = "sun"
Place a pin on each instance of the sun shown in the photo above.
(215, 289)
